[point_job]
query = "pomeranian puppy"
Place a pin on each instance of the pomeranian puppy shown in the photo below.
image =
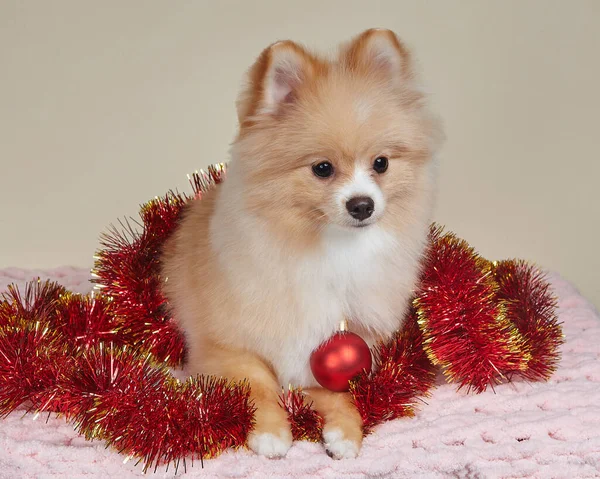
(323, 217)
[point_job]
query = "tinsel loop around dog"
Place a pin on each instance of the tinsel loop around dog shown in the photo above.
(103, 360)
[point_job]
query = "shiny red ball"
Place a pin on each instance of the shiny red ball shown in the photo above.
(340, 359)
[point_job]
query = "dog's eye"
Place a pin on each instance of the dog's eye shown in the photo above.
(323, 169)
(380, 165)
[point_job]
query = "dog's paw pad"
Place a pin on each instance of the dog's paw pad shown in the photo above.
(270, 445)
(338, 447)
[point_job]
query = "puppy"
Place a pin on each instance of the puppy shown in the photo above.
(323, 217)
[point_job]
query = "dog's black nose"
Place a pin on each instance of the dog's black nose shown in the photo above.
(360, 207)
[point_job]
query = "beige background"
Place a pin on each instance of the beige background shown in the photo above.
(106, 104)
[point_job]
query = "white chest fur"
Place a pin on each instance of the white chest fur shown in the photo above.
(350, 278)
(292, 304)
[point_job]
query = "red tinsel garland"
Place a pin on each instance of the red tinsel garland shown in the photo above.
(143, 412)
(526, 298)
(102, 360)
(466, 330)
(401, 375)
(54, 358)
(31, 357)
(127, 270)
(307, 424)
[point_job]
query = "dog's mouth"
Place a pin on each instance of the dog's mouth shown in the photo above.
(362, 224)
(355, 224)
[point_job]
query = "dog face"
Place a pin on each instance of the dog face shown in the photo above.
(332, 143)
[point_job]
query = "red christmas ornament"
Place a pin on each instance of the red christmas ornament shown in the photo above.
(339, 359)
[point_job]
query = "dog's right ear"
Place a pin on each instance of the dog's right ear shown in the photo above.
(274, 79)
(381, 52)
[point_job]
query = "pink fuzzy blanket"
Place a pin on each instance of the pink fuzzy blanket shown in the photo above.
(542, 430)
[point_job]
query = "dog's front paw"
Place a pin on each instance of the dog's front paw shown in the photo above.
(269, 444)
(338, 446)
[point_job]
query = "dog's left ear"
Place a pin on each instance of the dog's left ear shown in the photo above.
(275, 78)
(380, 52)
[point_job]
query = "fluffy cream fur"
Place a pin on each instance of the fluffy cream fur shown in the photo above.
(263, 269)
